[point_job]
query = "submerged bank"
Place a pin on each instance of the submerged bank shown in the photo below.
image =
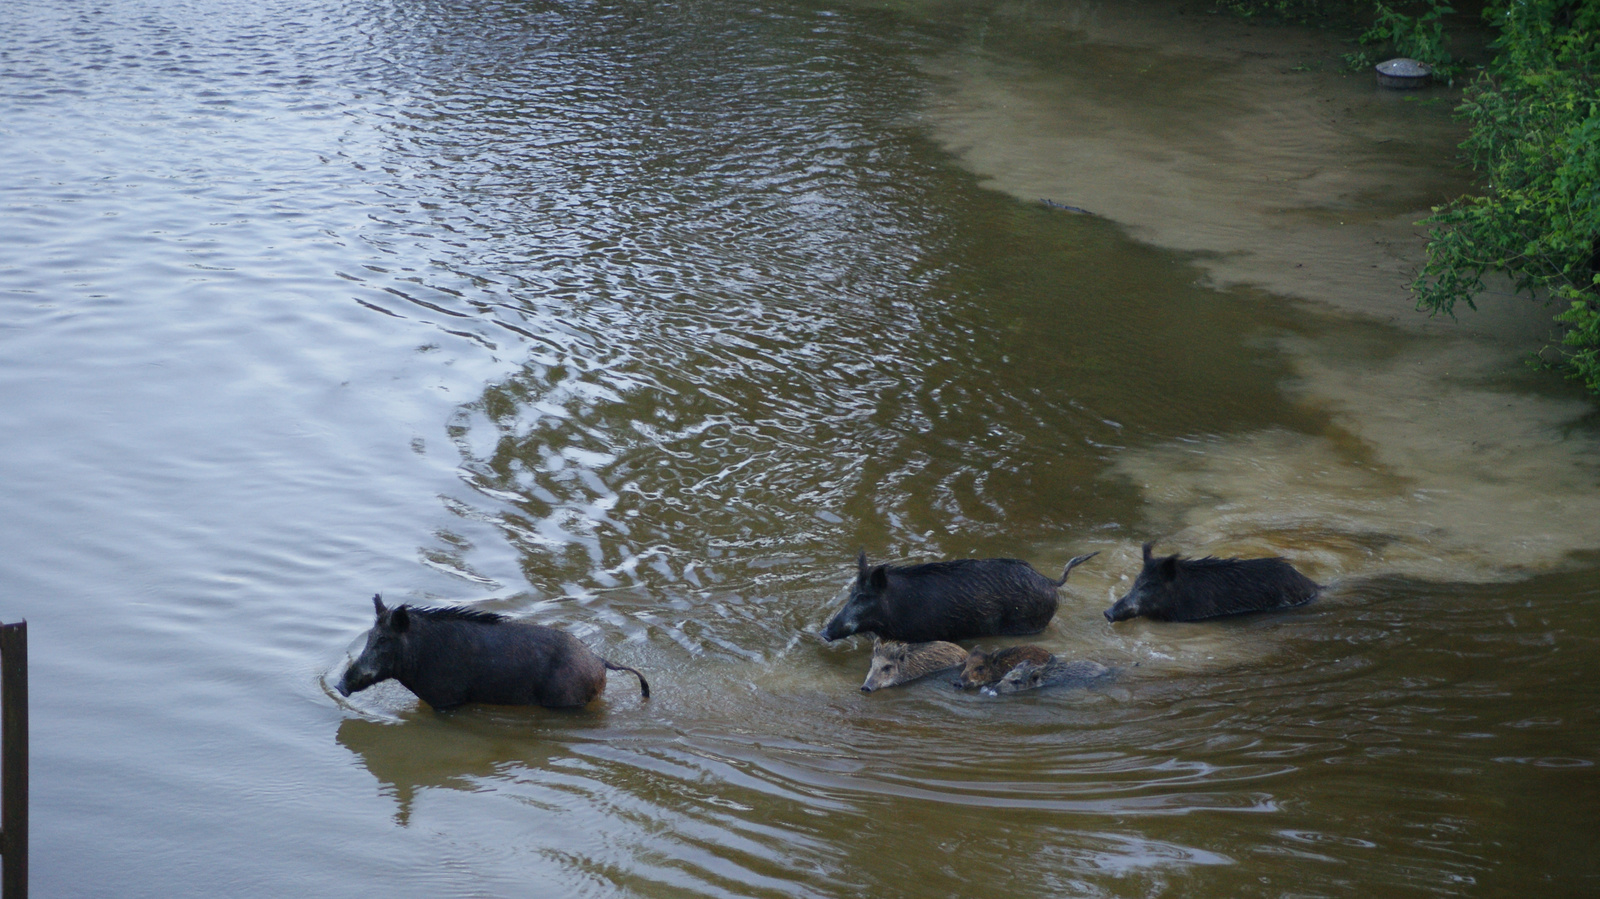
(1221, 140)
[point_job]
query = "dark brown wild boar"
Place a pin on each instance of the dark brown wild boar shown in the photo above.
(449, 657)
(1176, 589)
(954, 600)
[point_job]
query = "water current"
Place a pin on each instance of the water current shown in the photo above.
(641, 319)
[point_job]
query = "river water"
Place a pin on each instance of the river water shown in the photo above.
(640, 319)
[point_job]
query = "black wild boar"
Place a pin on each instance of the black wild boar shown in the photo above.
(956, 600)
(1175, 589)
(895, 663)
(449, 657)
(1032, 676)
(984, 668)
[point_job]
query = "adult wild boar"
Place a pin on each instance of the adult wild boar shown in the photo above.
(895, 663)
(1176, 589)
(955, 600)
(449, 657)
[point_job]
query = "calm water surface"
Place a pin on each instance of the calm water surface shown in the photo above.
(641, 319)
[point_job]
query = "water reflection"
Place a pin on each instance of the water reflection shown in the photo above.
(405, 766)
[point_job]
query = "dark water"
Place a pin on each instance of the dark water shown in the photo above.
(641, 319)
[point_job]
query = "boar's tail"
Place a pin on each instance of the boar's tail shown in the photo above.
(644, 685)
(1079, 560)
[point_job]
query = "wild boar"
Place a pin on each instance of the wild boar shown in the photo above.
(1176, 589)
(1032, 676)
(954, 600)
(895, 663)
(449, 657)
(984, 668)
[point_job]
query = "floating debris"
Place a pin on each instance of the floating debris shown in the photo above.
(1404, 74)
(1075, 210)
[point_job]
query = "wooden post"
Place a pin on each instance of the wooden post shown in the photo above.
(14, 760)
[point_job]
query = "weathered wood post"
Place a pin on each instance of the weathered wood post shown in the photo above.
(14, 760)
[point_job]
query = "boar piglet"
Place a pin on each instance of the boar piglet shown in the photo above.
(1032, 676)
(895, 663)
(1176, 589)
(954, 600)
(985, 668)
(449, 657)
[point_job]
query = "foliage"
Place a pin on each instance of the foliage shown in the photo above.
(1535, 119)
(1337, 13)
(1292, 10)
(1420, 37)
(1535, 116)
(1583, 362)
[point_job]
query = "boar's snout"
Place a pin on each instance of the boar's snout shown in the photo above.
(343, 685)
(357, 677)
(840, 626)
(1124, 609)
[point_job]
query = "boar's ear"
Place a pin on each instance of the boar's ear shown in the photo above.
(879, 579)
(877, 644)
(377, 604)
(1167, 568)
(861, 565)
(1147, 552)
(400, 619)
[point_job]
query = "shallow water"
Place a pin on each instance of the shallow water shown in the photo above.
(641, 320)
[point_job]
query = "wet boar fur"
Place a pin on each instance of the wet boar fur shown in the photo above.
(895, 663)
(985, 668)
(1176, 589)
(955, 600)
(450, 657)
(1030, 675)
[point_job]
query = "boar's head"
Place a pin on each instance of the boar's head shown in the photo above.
(864, 610)
(1151, 592)
(380, 658)
(895, 663)
(1026, 676)
(978, 670)
(885, 669)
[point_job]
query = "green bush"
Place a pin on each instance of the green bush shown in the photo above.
(1420, 37)
(1535, 117)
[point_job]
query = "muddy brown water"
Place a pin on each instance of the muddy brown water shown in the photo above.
(640, 319)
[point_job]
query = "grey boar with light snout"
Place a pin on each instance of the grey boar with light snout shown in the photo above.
(955, 600)
(895, 663)
(1176, 589)
(983, 668)
(1032, 676)
(450, 657)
